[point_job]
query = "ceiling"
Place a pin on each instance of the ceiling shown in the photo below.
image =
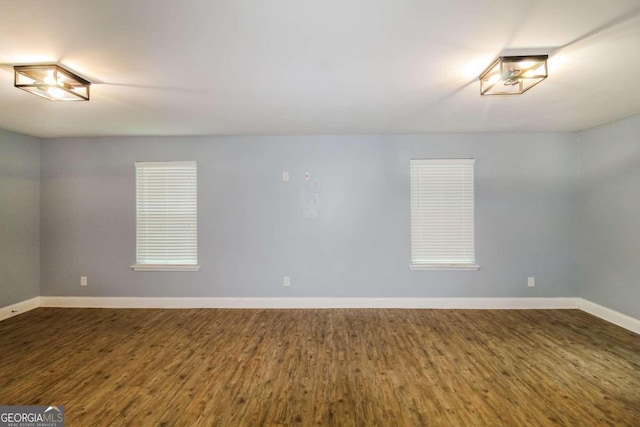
(204, 67)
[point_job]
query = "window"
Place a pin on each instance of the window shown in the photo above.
(442, 236)
(166, 216)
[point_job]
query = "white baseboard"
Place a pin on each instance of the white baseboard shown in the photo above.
(19, 308)
(610, 315)
(407, 303)
(602, 312)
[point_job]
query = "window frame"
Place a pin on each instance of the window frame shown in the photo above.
(469, 266)
(142, 266)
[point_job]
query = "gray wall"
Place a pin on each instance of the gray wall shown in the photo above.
(19, 217)
(343, 233)
(610, 215)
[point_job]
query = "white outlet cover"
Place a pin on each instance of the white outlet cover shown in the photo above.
(285, 176)
(531, 282)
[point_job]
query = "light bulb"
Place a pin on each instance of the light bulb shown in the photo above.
(526, 64)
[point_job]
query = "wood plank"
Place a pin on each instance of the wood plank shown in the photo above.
(345, 367)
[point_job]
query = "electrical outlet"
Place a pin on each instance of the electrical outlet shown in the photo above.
(307, 176)
(286, 281)
(83, 280)
(531, 281)
(285, 176)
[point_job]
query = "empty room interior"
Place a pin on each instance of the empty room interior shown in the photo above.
(340, 213)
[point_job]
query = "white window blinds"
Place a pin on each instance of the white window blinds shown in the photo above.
(166, 216)
(442, 233)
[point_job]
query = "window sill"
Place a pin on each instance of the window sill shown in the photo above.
(165, 267)
(468, 267)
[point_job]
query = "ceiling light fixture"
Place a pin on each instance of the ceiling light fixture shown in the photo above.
(513, 75)
(52, 82)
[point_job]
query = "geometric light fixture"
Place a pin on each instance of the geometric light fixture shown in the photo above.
(52, 82)
(513, 75)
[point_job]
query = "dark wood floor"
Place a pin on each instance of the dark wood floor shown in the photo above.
(322, 367)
